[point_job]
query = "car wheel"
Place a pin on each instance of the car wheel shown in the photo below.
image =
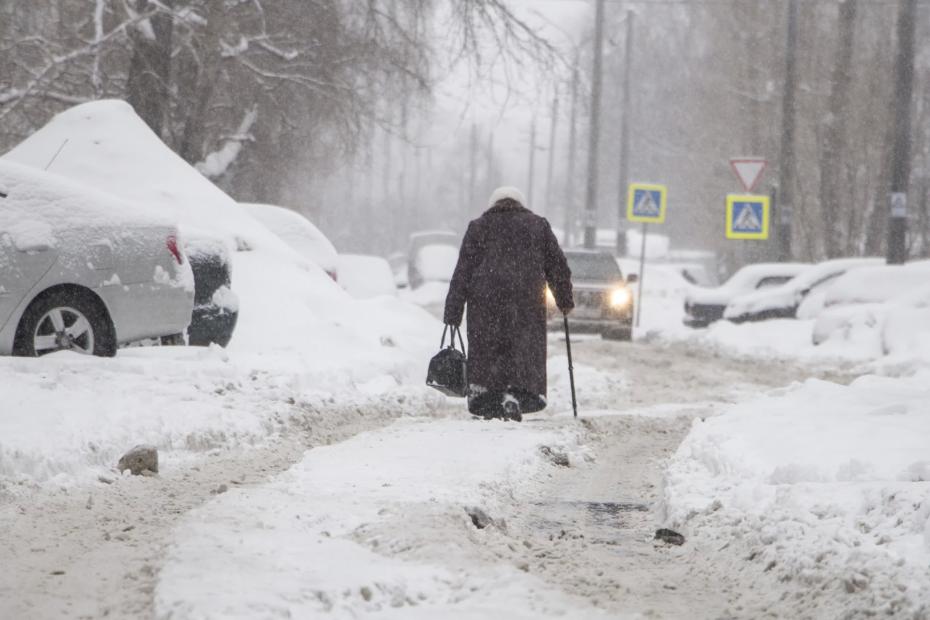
(618, 333)
(65, 320)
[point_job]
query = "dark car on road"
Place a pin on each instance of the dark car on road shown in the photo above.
(603, 299)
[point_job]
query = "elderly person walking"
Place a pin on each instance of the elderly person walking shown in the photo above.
(508, 256)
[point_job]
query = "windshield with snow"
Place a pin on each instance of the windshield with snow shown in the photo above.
(593, 267)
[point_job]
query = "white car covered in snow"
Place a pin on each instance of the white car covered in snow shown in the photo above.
(299, 233)
(782, 302)
(432, 256)
(858, 304)
(364, 277)
(106, 146)
(84, 271)
(703, 306)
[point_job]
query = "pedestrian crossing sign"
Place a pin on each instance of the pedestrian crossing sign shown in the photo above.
(747, 217)
(646, 203)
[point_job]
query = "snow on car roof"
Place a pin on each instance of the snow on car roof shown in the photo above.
(298, 232)
(791, 292)
(105, 145)
(878, 283)
(743, 280)
(62, 203)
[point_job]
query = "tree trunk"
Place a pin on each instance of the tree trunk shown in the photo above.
(832, 154)
(149, 80)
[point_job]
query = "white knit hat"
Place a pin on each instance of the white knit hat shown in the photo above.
(502, 193)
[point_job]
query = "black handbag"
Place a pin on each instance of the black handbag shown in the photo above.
(448, 368)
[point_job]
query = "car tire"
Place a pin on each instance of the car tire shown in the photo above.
(618, 333)
(87, 327)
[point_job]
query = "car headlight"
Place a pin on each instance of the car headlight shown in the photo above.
(620, 298)
(550, 298)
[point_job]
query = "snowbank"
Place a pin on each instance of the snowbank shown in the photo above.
(373, 527)
(826, 482)
(66, 419)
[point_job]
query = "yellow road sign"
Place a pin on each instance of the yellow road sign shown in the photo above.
(747, 216)
(646, 203)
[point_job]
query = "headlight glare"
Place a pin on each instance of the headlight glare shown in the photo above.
(620, 298)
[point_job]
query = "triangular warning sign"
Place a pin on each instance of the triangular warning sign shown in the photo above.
(646, 205)
(747, 220)
(749, 170)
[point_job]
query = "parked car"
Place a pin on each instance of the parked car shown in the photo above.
(703, 306)
(603, 301)
(781, 302)
(84, 271)
(106, 146)
(431, 257)
(364, 277)
(863, 297)
(299, 233)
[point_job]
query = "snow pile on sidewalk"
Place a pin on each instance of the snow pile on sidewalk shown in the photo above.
(67, 418)
(827, 485)
(372, 527)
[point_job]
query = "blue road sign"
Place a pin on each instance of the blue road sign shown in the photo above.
(747, 217)
(646, 203)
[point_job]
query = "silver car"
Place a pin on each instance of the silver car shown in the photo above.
(82, 271)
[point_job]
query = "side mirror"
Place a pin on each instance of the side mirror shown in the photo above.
(632, 278)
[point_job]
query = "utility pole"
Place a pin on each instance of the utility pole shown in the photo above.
(901, 149)
(625, 137)
(594, 130)
(570, 180)
(786, 160)
(551, 166)
(530, 180)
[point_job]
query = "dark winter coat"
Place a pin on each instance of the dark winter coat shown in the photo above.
(508, 256)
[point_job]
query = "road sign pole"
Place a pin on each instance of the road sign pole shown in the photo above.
(642, 274)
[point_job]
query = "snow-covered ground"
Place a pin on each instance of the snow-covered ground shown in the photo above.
(375, 526)
(828, 484)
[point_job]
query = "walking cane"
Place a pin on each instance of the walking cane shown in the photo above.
(571, 367)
